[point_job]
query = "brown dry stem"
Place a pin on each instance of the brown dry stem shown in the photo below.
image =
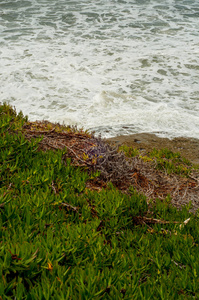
(85, 150)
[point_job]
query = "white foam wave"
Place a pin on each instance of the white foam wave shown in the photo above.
(116, 66)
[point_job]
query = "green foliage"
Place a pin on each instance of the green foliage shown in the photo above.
(170, 162)
(129, 151)
(10, 120)
(61, 240)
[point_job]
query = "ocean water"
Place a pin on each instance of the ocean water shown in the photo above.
(111, 66)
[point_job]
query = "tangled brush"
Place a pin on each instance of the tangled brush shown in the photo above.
(112, 165)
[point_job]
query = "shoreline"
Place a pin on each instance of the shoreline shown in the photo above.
(146, 142)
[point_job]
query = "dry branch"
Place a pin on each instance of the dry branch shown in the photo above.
(96, 155)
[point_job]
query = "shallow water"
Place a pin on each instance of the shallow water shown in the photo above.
(116, 67)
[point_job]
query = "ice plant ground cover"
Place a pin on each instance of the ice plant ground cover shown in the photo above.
(67, 233)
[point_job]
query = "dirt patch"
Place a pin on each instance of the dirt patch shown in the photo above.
(146, 142)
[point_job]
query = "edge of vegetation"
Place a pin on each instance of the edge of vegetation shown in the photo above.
(67, 233)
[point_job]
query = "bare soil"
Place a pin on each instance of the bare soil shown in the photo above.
(146, 142)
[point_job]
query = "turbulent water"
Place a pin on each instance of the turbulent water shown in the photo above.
(113, 66)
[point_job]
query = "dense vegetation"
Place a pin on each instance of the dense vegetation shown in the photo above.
(60, 239)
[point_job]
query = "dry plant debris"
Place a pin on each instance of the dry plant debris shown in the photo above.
(95, 154)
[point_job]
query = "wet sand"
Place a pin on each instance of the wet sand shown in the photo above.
(188, 147)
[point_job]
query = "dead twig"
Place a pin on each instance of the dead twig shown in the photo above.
(9, 187)
(70, 207)
(53, 187)
(146, 220)
(181, 266)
